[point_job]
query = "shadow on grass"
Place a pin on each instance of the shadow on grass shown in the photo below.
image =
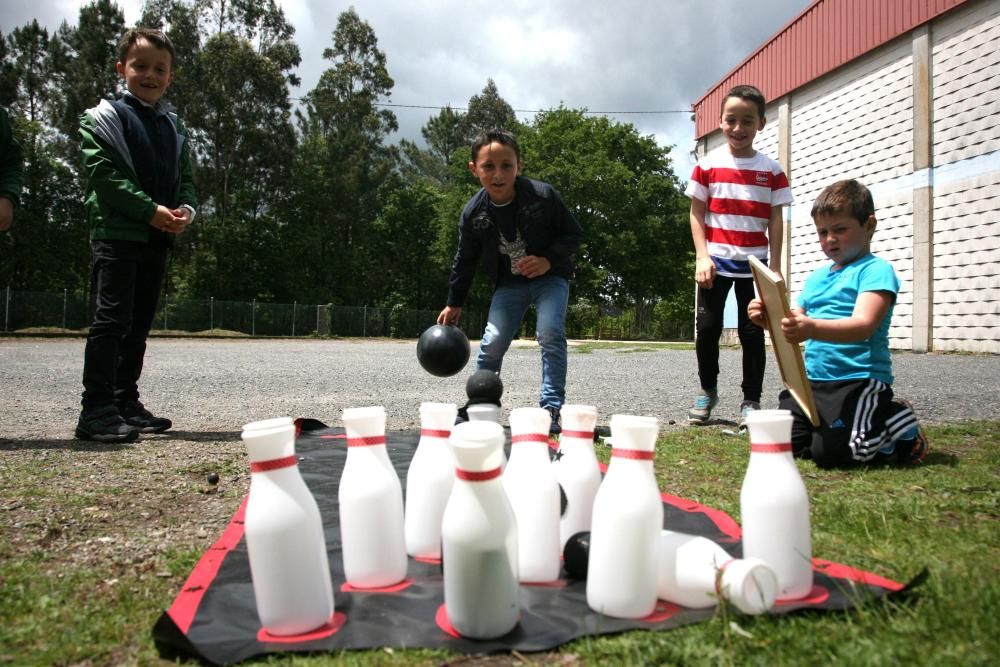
(148, 439)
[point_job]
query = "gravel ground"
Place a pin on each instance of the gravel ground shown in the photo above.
(210, 385)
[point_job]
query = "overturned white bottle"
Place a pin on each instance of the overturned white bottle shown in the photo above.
(622, 567)
(284, 535)
(530, 483)
(577, 470)
(774, 505)
(479, 537)
(370, 496)
(428, 480)
(696, 572)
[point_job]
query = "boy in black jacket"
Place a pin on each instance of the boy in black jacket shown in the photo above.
(526, 238)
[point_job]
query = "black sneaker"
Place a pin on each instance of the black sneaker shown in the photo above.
(105, 424)
(554, 427)
(135, 414)
(463, 414)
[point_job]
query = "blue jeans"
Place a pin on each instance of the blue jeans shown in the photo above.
(550, 296)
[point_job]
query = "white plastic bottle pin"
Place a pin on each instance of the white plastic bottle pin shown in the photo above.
(625, 531)
(479, 537)
(774, 505)
(284, 535)
(577, 470)
(428, 480)
(371, 505)
(530, 483)
(696, 572)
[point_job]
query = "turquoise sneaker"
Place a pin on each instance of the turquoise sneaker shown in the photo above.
(702, 408)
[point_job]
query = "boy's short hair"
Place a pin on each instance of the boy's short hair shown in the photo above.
(847, 197)
(155, 37)
(502, 137)
(746, 93)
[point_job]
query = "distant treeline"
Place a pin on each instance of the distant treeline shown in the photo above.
(312, 204)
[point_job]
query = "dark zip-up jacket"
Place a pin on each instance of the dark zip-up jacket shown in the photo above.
(548, 228)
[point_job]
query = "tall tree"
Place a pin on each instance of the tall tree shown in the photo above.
(622, 188)
(244, 144)
(84, 59)
(488, 111)
(46, 249)
(445, 135)
(343, 145)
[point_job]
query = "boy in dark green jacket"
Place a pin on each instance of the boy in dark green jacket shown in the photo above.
(10, 171)
(140, 195)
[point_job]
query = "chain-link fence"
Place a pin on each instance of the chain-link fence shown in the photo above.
(72, 311)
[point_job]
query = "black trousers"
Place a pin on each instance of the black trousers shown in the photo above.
(126, 279)
(708, 324)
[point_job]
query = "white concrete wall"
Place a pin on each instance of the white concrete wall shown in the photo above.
(966, 179)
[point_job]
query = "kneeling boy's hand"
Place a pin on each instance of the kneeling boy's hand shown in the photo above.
(798, 327)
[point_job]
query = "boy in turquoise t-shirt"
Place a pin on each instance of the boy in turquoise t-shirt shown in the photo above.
(843, 317)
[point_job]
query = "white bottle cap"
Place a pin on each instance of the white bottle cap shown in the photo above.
(749, 585)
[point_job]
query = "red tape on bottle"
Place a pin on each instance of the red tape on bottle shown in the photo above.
(273, 464)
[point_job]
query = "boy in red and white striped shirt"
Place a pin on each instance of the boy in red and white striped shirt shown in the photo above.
(736, 198)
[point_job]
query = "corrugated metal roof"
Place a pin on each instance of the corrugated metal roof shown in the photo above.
(826, 35)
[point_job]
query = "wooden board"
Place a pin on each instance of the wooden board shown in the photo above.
(771, 288)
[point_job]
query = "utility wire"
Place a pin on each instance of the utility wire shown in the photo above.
(427, 106)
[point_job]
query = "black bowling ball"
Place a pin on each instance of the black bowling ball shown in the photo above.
(484, 386)
(575, 555)
(443, 350)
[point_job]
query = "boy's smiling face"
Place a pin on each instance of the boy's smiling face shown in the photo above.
(740, 123)
(147, 70)
(496, 167)
(842, 238)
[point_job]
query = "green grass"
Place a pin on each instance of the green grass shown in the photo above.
(942, 515)
(626, 347)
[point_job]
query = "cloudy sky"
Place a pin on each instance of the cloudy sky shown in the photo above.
(604, 55)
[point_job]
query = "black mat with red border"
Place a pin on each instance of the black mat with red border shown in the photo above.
(214, 617)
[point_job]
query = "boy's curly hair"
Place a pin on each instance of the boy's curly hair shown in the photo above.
(155, 37)
(847, 197)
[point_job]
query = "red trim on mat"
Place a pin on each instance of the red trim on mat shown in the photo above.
(443, 622)
(185, 605)
(661, 612)
(842, 571)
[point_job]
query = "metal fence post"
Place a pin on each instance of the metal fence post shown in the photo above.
(64, 307)
(364, 322)
(253, 317)
(211, 313)
(166, 302)
(6, 311)
(294, 303)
